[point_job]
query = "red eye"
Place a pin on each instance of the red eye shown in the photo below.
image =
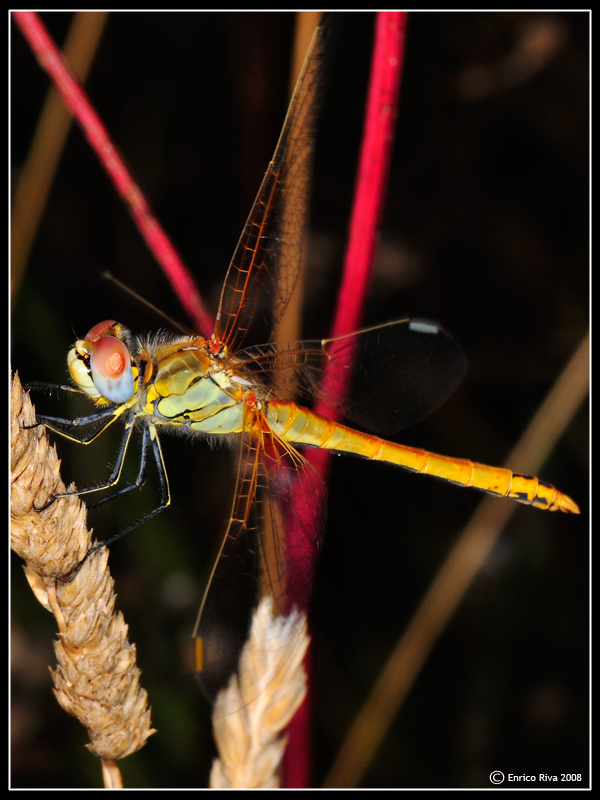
(110, 367)
(99, 330)
(110, 357)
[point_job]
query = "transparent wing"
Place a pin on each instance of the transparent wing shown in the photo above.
(383, 378)
(269, 547)
(264, 268)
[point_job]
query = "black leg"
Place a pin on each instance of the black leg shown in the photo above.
(141, 476)
(112, 480)
(56, 424)
(165, 494)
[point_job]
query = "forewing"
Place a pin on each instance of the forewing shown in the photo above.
(264, 268)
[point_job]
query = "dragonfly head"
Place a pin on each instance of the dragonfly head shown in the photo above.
(101, 364)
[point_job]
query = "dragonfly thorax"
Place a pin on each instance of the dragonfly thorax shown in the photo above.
(185, 383)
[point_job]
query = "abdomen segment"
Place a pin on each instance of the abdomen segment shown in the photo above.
(301, 426)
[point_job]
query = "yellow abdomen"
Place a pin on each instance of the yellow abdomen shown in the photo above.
(297, 424)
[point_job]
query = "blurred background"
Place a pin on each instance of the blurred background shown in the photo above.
(485, 229)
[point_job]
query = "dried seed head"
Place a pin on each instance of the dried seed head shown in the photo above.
(96, 678)
(249, 724)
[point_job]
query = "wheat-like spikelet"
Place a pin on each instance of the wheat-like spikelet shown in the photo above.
(96, 679)
(252, 712)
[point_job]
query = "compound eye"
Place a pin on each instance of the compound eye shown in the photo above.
(110, 366)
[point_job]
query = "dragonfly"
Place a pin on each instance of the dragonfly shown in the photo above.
(240, 387)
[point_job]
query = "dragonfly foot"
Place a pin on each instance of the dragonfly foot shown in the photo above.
(46, 505)
(76, 569)
(73, 572)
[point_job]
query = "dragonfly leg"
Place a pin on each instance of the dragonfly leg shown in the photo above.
(50, 387)
(58, 424)
(112, 480)
(165, 495)
(116, 473)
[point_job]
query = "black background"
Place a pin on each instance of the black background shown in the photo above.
(485, 230)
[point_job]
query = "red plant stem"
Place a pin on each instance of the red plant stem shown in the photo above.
(51, 60)
(371, 184)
